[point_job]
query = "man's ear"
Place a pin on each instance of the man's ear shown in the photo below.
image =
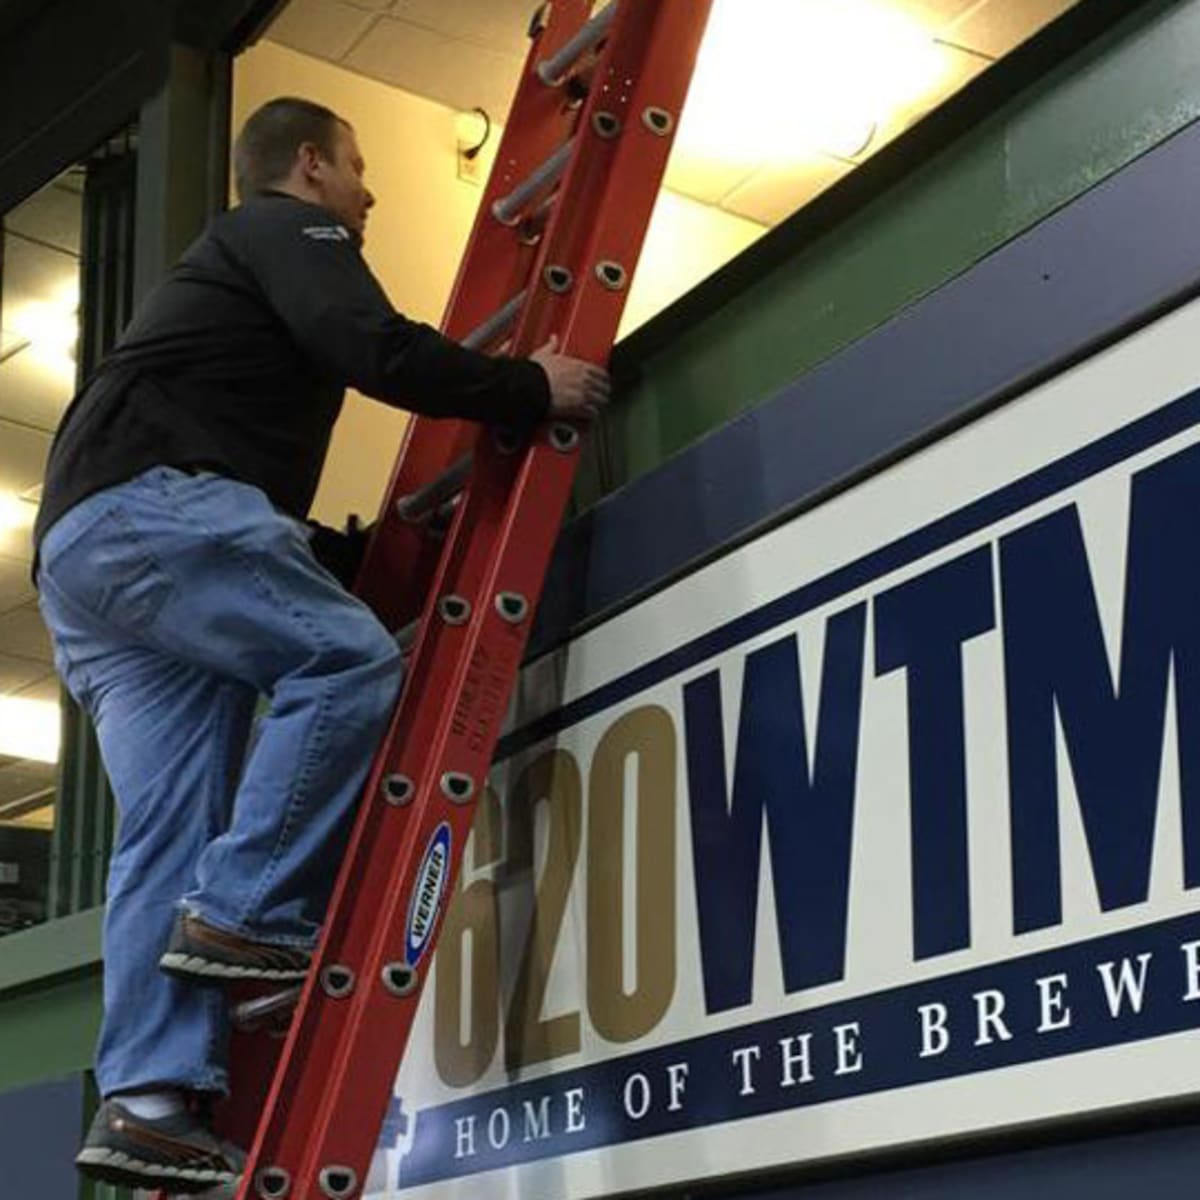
(309, 159)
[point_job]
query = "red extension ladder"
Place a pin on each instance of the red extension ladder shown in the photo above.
(553, 250)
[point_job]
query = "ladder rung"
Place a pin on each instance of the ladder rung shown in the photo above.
(250, 1014)
(507, 210)
(434, 494)
(406, 636)
(553, 70)
(483, 335)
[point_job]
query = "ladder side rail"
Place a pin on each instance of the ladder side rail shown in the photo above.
(384, 836)
(611, 191)
(495, 266)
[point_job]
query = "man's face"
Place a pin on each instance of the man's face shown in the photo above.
(340, 182)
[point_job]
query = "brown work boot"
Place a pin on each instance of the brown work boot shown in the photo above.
(199, 952)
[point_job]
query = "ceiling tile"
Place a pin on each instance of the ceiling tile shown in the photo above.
(998, 26)
(35, 274)
(16, 543)
(48, 687)
(22, 457)
(22, 778)
(73, 178)
(23, 635)
(40, 818)
(703, 178)
(500, 24)
(15, 585)
(959, 68)
(773, 193)
(10, 343)
(322, 28)
(933, 15)
(455, 73)
(54, 215)
(17, 674)
(35, 389)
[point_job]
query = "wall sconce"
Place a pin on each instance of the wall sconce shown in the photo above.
(472, 130)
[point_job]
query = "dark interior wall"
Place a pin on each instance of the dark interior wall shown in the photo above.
(71, 74)
(74, 71)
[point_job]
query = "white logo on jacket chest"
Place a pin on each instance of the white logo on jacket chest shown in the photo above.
(327, 233)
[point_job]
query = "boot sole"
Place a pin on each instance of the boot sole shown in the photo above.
(190, 966)
(115, 1166)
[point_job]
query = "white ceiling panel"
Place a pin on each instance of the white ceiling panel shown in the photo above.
(23, 635)
(500, 24)
(48, 688)
(10, 343)
(458, 74)
(15, 585)
(959, 67)
(323, 28)
(34, 273)
(16, 544)
(23, 454)
(997, 26)
(17, 674)
(935, 15)
(772, 194)
(35, 390)
(22, 779)
(54, 216)
(703, 178)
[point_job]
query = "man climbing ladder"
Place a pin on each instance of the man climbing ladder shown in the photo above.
(551, 257)
(179, 584)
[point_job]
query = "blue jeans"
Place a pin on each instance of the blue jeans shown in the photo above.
(174, 601)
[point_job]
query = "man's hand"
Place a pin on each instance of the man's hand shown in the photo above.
(578, 389)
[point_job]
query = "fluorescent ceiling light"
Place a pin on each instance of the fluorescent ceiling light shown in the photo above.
(15, 513)
(29, 729)
(50, 327)
(778, 80)
(10, 344)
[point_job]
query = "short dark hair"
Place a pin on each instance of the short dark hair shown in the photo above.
(266, 147)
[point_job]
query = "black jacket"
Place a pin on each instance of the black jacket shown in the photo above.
(237, 363)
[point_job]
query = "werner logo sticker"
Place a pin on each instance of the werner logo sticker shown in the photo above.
(427, 896)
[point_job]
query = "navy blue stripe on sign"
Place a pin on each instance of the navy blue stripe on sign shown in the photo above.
(879, 1049)
(1073, 468)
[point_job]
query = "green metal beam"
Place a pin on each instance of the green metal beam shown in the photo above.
(50, 1031)
(44, 953)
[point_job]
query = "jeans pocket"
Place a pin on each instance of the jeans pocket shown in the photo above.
(110, 572)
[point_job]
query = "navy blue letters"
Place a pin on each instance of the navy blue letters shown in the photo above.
(809, 819)
(921, 625)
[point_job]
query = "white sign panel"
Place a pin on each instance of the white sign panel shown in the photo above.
(882, 828)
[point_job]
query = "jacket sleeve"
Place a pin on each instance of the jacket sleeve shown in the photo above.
(312, 274)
